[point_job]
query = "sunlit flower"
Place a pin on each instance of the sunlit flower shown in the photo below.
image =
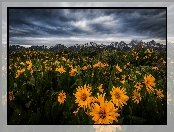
(106, 128)
(136, 96)
(73, 71)
(116, 78)
(75, 112)
(123, 81)
(125, 56)
(138, 85)
(104, 65)
(92, 74)
(22, 63)
(125, 66)
(28, 62)
(19, 72)
(49, 68)
(148, 50)
(145, 57)
(138, 72)
(137, 57)
(129, 77)
(29, 66)
(149, 81)
(83, 96)
(104, 112)
(31, 72)
(11, 95)
(63, 58)
(10, 67)
(61, 69)
(159, 93)
(123, 77)
(85, 68)
(100, 88)
(119, 96)
(155, 68)
(164, 62)
(118, 68)
(168, 98)
(97, 65)
(61, 97)
(70, 66)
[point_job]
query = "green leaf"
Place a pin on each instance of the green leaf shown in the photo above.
(130, 110)
(15, 85)
(47, 108)
(31, 81)
(28, 104)
(135, 119)
(120, 121)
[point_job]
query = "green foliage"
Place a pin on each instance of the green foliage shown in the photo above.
(36, 90)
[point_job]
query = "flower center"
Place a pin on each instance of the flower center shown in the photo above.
(137, 96)
(61, 96)
(102, 114)
(83, 97)
(117, 95)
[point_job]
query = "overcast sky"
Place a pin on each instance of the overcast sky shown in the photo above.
(68, 27)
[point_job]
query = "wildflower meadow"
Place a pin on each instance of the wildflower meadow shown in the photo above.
(87, 87)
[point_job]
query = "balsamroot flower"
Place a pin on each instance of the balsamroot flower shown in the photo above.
(103, 112)
(136, 96)
(118, 68)
(61, 69)
(119, 96)
(11, 96)
(159, 93)
(149, 81)
(138, 85)
(100, 88)
(61, 97)
(82, 95)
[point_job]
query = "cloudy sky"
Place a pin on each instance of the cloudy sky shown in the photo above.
(49, 27)
(71, 26)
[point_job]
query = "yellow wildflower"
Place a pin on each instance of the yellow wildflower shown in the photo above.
(118, 96)
(100, 88)
(11, 95)
(61, 97)
(118, 68)
(149, 81)
(104, 112)
(136, 96)
(159, 93)
(61, 69)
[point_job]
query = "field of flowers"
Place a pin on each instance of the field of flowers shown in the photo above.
(107, 87)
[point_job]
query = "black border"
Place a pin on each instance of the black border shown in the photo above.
(8, 8)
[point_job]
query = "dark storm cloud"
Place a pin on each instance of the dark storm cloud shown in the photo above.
(151, 23)
(86, 23)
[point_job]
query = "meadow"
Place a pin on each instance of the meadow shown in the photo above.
(106, 87)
